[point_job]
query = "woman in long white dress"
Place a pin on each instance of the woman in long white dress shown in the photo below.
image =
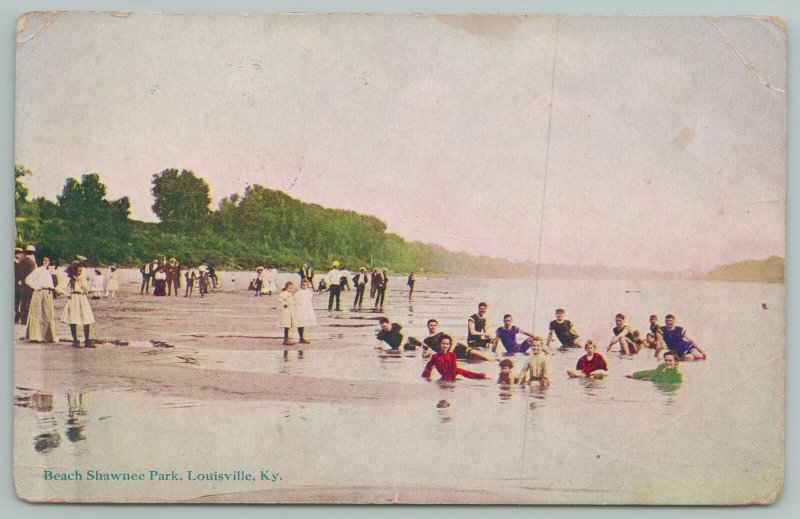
(41, 325)
(97, 284)
(113, 283)
(287, 317)
(78, 312)
(272, 276)
(304, 310)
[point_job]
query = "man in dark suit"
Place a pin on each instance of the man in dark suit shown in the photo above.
(19, 280)
(360, 283)
(27, 265)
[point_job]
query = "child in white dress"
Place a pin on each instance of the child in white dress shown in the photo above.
(113, 283)
(304, 310)
(287, 317)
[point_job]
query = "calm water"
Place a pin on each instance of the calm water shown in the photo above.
(719, 434)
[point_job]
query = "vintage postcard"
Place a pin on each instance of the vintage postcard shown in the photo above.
(399, 259)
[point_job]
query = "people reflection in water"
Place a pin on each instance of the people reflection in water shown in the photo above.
(76, 410)
(49, 438)
(286, 354)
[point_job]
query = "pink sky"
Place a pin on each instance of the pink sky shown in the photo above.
(666, 148)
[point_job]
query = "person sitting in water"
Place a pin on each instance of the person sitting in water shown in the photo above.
(666, 373)
(390, 335)
(564, 330)
(677, 340)
(624, 336)
(655, 328)
(507, 334)
(445, 363)
(591, 365)
(505, 377)
(477, 337)
(654, 343)
(535, 366)
(431, 344)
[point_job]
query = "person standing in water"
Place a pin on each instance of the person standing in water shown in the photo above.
(412, 280)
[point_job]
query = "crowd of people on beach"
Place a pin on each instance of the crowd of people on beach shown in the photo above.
(165, 278)
(295, 303)
(37, 285)
(35, 288)
(442, 352)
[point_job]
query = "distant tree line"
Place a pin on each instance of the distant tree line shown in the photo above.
(261, 226)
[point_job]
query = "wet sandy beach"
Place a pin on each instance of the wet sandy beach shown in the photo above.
(156, 344)
(190, 384)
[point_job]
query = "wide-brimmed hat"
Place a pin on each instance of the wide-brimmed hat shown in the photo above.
(17, 250)
(30, 248)
(335, 264)
(259, 268)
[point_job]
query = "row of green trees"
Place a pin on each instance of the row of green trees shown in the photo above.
(261, 226)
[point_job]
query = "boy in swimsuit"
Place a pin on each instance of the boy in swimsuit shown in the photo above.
(431, 344)
(390, 335)
(564, 330)
(535, 367)
(477, 337)
(507, 334)
(678, 340)
(624, 336)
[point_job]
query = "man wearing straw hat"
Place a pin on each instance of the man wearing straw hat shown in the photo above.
(333, 278)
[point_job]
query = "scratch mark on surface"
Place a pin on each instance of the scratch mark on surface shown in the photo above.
(752, 69)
